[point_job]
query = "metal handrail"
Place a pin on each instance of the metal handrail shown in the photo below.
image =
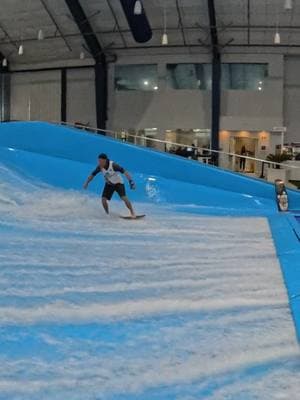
(114, 133)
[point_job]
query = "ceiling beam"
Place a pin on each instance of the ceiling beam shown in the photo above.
(9, 39)
(201, 46)
(50, 15)
(86, 30)
(262, 27)
(216, 80)
(116, 22)
(171, 29)
(180, 23)
(213, 26)
(177, 46)
(98, 54)
(248, 21)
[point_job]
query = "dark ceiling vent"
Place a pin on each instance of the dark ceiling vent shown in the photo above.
(139, 24)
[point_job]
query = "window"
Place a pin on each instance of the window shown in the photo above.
(235, 76)
(244, 76)
(189, 76)
(136, 77)
(202, 137)
(197, 137)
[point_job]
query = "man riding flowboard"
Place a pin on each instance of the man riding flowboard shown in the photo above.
(113, 182)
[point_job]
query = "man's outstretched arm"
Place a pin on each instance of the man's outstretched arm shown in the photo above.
(87, 182)
(91, 177)
(130, 180)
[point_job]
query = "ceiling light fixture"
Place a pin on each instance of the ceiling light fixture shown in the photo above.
(164, 38)
(21, 50)
(288, 4)
(277, 39)
(41, 35)
(4, 62)
(138, 8)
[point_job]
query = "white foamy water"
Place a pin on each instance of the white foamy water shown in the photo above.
(174, 306)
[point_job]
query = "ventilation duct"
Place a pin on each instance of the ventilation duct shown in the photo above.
(139, 24)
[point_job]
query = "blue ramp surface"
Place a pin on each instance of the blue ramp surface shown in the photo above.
(179, 305)
(64, 156)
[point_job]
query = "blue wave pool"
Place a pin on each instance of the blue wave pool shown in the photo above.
(199, 300)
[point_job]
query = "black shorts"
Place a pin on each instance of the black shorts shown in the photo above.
(109, 190)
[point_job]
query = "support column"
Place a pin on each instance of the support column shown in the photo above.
(101, 95)
(216, 105)
(63, 114)
(4, 92)
(98, 53)
(216, 80)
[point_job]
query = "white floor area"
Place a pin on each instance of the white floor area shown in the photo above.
(174, 306)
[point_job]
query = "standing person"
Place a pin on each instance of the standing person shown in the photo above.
(113, 182)
(243, 159)
(195, 152)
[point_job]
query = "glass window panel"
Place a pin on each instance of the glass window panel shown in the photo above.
(136, 77)
(189, 76)
(235, 76)
(244, 76)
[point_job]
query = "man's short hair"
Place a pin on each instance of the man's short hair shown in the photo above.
(103, 156)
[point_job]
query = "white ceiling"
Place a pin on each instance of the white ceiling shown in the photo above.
(241, 22)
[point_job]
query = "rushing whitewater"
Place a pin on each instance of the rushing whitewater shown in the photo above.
(175, 306)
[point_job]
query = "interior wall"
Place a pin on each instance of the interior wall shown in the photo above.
(36, 96)
(5, 96)
(167, 108)
(81, 102)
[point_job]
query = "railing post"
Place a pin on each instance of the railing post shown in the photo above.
(216, 104)
(63, 107)
(262, 170)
